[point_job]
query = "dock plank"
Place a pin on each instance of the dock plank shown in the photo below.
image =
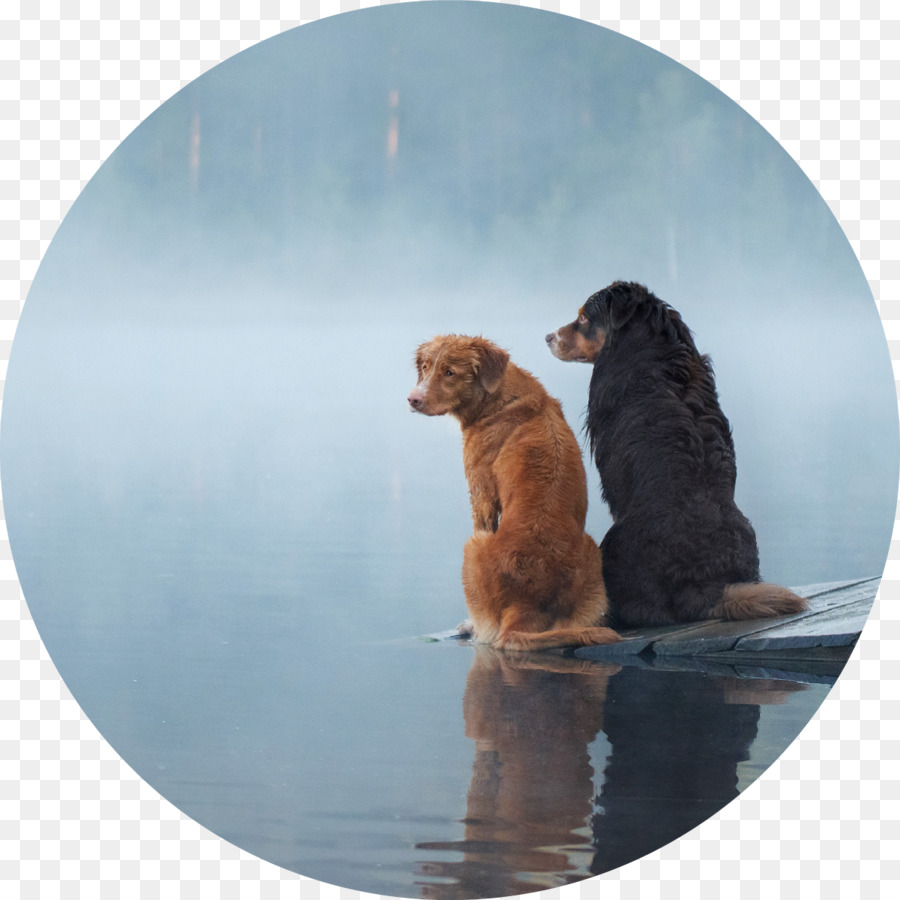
(832, 628)
(836, 615)
(834, 612)
(817, 590)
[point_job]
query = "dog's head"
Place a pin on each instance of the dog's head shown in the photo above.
(456, 374)
(603, 313)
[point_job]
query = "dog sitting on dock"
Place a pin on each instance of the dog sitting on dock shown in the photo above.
(532, 577)
(679, 550)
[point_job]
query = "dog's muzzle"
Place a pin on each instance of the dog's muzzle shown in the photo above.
(416, 401)
(552, 340)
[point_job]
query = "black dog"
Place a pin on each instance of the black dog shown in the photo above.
(679, 549)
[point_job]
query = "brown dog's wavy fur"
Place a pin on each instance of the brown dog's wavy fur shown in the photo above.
(532, 577)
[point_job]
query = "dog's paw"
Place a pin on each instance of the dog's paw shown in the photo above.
(466, 629)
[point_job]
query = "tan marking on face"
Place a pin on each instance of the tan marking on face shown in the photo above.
(576, 342)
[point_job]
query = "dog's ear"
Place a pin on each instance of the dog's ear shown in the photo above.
(622, 301)
(492, 363)
(421, 354)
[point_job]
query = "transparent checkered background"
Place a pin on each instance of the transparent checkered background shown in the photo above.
(77, 77)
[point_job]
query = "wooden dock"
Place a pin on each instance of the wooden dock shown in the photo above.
(810, 646)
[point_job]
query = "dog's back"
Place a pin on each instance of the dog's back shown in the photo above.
(656, 429)
(526, 447)
(536, 581)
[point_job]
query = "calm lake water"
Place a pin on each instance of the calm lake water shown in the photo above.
(232, 544)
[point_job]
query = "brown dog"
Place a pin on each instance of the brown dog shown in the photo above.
(532, 576)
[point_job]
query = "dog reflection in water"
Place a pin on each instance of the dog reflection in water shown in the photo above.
(539, 816)
(532, 719)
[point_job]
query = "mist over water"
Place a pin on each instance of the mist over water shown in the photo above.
(224, 518)
(311, 416)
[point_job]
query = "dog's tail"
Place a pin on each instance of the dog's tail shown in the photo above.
(756, 601)
(559, 637)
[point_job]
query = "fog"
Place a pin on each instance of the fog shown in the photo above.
(257, 262)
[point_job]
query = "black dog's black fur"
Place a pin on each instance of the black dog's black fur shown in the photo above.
(679, 549)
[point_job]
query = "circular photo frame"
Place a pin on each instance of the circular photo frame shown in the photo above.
(244, 554)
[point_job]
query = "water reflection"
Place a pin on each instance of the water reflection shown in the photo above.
(535, 818)
(677, 740)
(531, 794)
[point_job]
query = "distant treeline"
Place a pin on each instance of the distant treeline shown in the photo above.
(422, 124)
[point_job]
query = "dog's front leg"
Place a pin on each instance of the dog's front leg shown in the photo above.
(485, 510)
